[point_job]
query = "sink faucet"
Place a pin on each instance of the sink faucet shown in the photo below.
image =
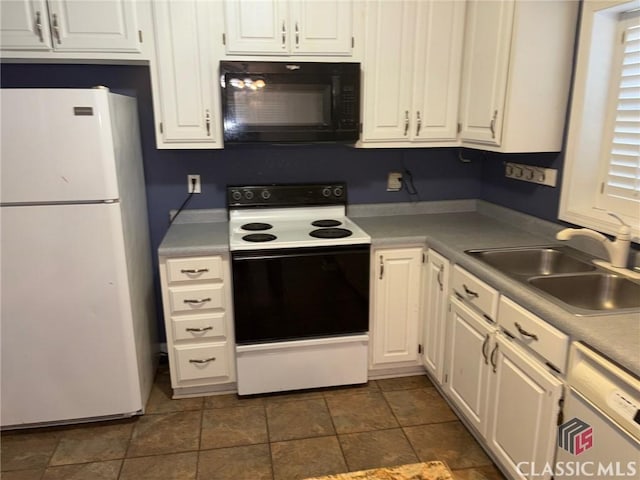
(617, 249)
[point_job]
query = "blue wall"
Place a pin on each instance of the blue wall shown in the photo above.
(437, 173)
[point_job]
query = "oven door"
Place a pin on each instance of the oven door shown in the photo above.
(300, 293)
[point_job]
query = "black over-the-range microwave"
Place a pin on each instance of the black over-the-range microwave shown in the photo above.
(290, 102)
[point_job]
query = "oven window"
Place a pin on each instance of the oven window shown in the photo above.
(307, 294)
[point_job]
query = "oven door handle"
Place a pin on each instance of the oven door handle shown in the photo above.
(294, 252)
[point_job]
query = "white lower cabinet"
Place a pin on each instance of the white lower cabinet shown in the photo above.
(468, 366)
(395, 306)
(434, 314)
(196, 299)
(498, 374)
(523, 406)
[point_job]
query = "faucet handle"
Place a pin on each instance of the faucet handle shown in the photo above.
(625, 229)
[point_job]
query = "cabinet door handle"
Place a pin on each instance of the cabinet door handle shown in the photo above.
(191, 271)
(492, 125)
(470, 293)
(485, 344)
(439, 277)
(204, 360)
(201, 329)
(419, 123)
(494, 362)
(207, 119)
(284, 35)
(524, 333)
(56, 28)
(194, 301)
(381, 267)
(39, 26)
(297, 36)
(406, 122)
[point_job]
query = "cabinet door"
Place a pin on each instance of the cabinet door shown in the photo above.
(396, 305)
(388, 70)
(24, 25)
(109, 26)
(257, 27)
(486, 62)
(524, 404)
(470, 350)
(321, 27)
(435, 314)
(186, 76)
(438, 65)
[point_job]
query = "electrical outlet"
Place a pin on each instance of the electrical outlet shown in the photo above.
(394, 182)
(191, 188)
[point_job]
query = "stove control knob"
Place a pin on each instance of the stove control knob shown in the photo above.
(266, 194)
(337, 191)
(236, 195)
(248, 194)
(326, 192)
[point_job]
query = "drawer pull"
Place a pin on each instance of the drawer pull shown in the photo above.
(524, 333)
(191, 271)
(194, 301)
(471, 293)
(201, 329)
(485, 344)
(205, 360)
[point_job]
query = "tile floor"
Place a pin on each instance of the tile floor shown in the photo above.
(271, 437)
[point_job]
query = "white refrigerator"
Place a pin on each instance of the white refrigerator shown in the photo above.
(77, 315)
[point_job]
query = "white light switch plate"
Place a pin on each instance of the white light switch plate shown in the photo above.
(394, 182)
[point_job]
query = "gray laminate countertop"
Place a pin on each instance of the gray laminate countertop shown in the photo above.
(615, 336)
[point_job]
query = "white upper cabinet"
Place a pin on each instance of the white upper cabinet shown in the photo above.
(70, 25)
(486, 64)
(294, 27)
(516, 74)
(184, 80)
(412, 68)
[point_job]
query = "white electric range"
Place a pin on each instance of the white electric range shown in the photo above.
(301, 287)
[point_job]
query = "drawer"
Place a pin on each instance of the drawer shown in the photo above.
(211, 325)
(475, 292)
(194, 268)
(194, 362)
(196, 298)
(549, 342)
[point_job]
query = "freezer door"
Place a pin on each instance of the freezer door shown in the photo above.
(67, 342)
(56, 146)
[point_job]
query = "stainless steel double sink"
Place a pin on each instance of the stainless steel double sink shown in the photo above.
(566, 277)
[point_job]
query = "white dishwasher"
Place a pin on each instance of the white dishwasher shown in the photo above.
(600, 433)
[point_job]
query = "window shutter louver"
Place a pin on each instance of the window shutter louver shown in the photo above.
(623, 174)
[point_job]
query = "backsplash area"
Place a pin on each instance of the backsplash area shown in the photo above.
(437, 173)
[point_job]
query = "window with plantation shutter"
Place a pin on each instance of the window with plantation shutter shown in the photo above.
(620, 184)
(601, 171)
